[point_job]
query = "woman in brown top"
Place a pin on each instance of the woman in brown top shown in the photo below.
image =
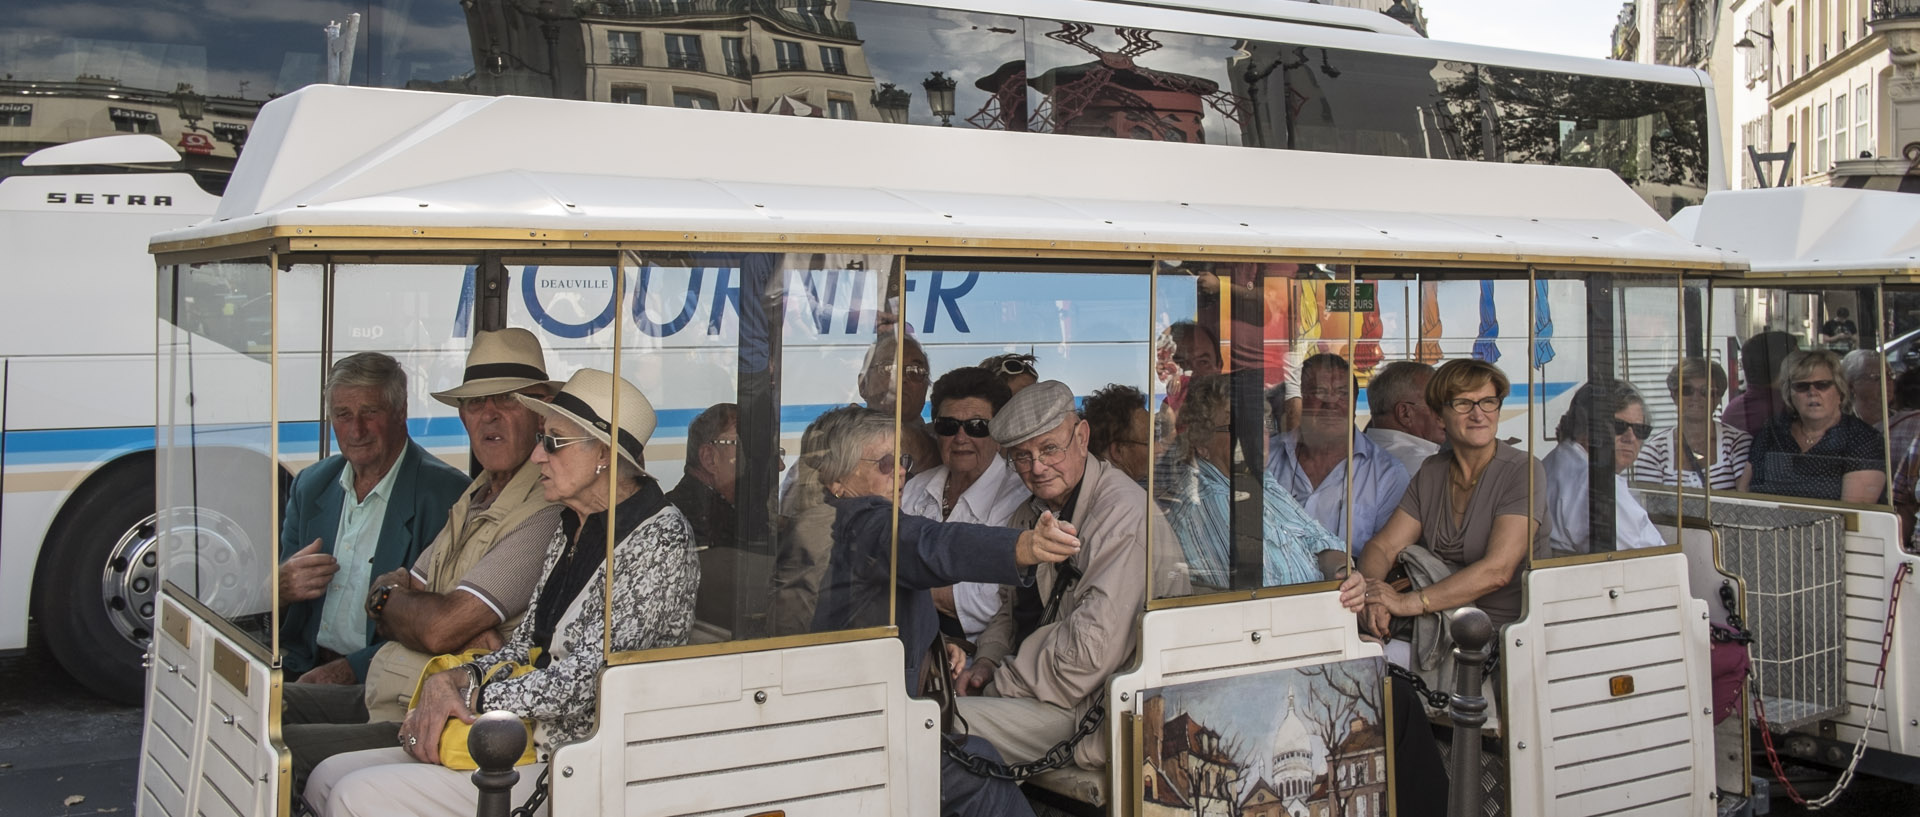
(1469, 505)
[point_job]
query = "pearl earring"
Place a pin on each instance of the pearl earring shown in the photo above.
(600, 469)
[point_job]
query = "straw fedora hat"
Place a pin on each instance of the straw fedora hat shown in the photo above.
(587, 401)
(500, 362)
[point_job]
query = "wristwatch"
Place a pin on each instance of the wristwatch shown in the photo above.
(377, 602)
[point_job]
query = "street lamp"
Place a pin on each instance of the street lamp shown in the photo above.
(940, 96)
(192, 105)
(1746, 43)
(892, 103)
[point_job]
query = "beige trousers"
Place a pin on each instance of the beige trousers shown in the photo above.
(1022, 729)
(391, 782)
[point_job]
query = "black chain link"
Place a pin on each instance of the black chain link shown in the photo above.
(1736, 631)
(538, 798)
(1057, 757)
(1436, 699)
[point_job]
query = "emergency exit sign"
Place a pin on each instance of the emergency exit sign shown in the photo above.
(1339, 299)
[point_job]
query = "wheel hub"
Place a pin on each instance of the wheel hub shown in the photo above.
(205, 552)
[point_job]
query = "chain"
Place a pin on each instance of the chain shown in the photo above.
(1057, 757)
(1436, 699)
(1873, 711)
(1736, 631)
(537, 798)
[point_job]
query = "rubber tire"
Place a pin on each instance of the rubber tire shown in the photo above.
(66, 594)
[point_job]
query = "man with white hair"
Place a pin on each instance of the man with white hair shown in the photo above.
(1027, 694)
(1402, 424)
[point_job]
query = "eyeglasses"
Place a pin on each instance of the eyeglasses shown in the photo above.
(915, 371)
(1327, 395)
(553, 444)
(1014, 367)
(1462, 405)
(949, 426)
(1050, 455)
(782, 451)
(885, 464)
(1641, 430)
(1807, 386)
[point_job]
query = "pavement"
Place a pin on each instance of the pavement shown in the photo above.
(59, 742)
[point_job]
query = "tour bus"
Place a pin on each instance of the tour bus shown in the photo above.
(1087, 253)
(1294, 76)
(1835, 653)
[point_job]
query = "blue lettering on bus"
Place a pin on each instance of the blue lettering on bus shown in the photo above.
(725, 293)
(938, 295)
(529, 291)
(821, 305)
(679, 322)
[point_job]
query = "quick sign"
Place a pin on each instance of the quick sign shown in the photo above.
(14, 108)
(131, 115)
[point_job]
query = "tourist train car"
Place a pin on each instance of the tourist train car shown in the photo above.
(713, 257)
(1830, 271)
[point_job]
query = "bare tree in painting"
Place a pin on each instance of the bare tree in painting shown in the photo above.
(1332, 705)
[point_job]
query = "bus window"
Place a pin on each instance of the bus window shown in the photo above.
(215, 453)
(1133, 83)
(913, 53)
(1809, 389)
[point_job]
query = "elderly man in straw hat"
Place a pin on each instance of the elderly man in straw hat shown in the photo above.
(1031, 693)
(472, 583)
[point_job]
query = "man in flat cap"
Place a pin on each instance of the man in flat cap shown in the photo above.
(1027, 695)
(472, 583)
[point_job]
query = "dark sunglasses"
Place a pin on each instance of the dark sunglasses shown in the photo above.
(1805, 386)
(885, 464)
(1640, 430)
(949, 426)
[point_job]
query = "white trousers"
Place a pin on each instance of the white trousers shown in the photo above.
(390, 782)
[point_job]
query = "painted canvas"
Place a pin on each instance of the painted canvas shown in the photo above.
(1302, 742)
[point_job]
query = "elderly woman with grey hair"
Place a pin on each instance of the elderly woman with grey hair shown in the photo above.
(1866, 377)
(1613, 409)
(1818, 450)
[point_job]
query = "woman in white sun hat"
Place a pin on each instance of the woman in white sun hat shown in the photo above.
(655, 576)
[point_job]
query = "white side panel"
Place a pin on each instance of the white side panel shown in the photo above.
(175, 710)
(1573, 747)
(1189, 644)
(207, 748)
(237, 763)
(1873, 556)
(824, 730)
(105, 391)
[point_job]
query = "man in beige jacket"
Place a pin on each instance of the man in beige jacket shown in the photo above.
(471, 585)
(1026, 696)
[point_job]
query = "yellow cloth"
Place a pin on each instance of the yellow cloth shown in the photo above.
(453, 738)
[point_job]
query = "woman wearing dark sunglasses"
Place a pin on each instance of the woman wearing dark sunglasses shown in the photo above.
(1818, 450)
(972, 483)
(1621, 413)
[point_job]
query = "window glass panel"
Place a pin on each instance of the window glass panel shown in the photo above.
(984, 54)
(733, 52)
(695, 99)
(684, 52)
(1840, 128)
(1134, 84)
(213, 538)
(789, 56)
(623, 47)
(833, 59)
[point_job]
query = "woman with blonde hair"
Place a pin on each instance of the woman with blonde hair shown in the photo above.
(1818, 450)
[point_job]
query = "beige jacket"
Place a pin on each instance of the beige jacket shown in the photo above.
(1092, 637)
(394, 668)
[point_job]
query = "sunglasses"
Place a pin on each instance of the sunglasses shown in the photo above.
(553, 444)
(1640, 430)
(1807, 386)
(885, 464)
(949, 426)
(1014, 367)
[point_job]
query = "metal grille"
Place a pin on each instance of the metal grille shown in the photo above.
(1794, 565)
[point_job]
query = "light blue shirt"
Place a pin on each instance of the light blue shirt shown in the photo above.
(1569, 521)
(1379, 482)
(343, 616)
(1195, 497)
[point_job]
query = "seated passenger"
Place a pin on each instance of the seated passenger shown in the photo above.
(1311, 461)
(972, 483)
(1817, 450)
(1400, 422)
(654, 577)
(1701, 451)
(705, 493)
(1468, 507)
(1904, 446)
(1865, 375)
(806, 532)
(1032, 693)
(1568, 519)
(876, 387)
(365, 512)
(1760, 400)
(1191, 486)
(1015, 370)
(474, 581)
(1839, 333)
(1117, 429)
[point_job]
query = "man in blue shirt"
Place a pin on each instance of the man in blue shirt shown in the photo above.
(367, 511)
(1311, 462)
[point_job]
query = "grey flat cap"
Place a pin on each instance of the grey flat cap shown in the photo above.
(1036, 410)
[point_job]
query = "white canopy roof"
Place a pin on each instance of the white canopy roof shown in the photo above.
(336, 158)
(1810, 229)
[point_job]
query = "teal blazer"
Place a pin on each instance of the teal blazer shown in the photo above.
(424, 491)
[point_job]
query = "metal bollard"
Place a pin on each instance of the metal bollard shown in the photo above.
(496, 741)
(1472, 631)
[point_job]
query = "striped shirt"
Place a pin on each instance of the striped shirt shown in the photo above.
(1195, 497)
(1657, 462)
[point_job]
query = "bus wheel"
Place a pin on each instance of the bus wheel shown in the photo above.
(98, 579)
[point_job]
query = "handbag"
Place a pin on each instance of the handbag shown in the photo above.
(453, 738)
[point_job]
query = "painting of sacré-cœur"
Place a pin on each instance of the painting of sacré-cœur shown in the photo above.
(1303, 742)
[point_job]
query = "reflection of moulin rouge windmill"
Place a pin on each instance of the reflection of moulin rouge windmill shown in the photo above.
(1111, 96)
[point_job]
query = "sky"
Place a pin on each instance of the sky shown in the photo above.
(1581, 28)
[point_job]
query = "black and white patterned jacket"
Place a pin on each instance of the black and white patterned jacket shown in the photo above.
(656, 574)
